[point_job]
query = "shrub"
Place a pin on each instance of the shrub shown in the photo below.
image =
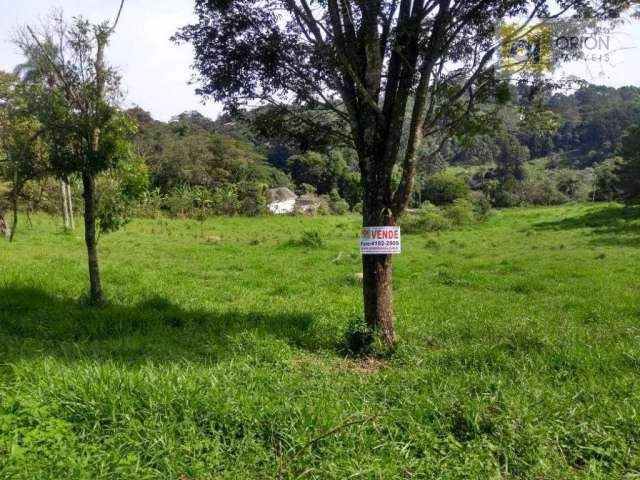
(119, 191)
(425, 221)
(358, 337)
(340, 207)
(542, 192)
(150, 203)
(460, 213)
(179, 201)
(253, 198)
(324, 206)
(430, 218)
(444, 189)
(310, 239)
(226, 200)
(481, 207)
(306, 188)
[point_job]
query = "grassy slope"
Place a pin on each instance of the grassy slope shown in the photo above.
(519, 359)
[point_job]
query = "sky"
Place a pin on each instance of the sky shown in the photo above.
(156, 72)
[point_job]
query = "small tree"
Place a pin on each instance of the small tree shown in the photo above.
(84, 129)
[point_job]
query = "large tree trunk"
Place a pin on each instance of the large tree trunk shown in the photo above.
(377, 276)
(90, 239)
(378, 296)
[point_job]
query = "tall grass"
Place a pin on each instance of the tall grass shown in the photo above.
(519, 355)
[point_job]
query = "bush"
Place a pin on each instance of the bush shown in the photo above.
(253, 198)
(444, 189)
(430, 218)
(179, 202)
(358, 337)
(425, 220)
(542, 192)
(310, 239)
(482, 207)
(150, 204)
(324, 205)
(119, 191)
(460, 213)
(340, 207)
(43, 195)
(244, 198)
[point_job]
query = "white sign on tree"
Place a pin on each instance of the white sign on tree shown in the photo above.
(380, 240)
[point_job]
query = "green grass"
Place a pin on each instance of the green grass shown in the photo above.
(519, 354)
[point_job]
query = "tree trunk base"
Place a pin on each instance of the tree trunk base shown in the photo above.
(378, 297)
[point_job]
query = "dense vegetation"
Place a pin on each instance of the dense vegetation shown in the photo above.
(548, 150)
(565, 148)
(514, 362)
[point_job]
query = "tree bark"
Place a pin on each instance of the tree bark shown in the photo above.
(378, 296)
(88, 184)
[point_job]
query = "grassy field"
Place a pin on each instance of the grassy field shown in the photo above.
(519, 354)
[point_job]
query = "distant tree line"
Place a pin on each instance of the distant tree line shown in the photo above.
(550, 149)
(196, 166)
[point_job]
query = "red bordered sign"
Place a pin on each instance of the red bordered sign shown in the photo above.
(380, 240)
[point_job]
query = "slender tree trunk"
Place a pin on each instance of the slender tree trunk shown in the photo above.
(88, 184)
(14, 206)
(72, 222)
(65, 204)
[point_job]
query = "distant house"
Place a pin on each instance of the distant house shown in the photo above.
(282, 200)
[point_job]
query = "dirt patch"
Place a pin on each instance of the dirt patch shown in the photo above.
(361, 366)
(364, 366)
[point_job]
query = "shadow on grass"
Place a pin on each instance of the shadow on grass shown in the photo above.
(611, 226)
(36, 323)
